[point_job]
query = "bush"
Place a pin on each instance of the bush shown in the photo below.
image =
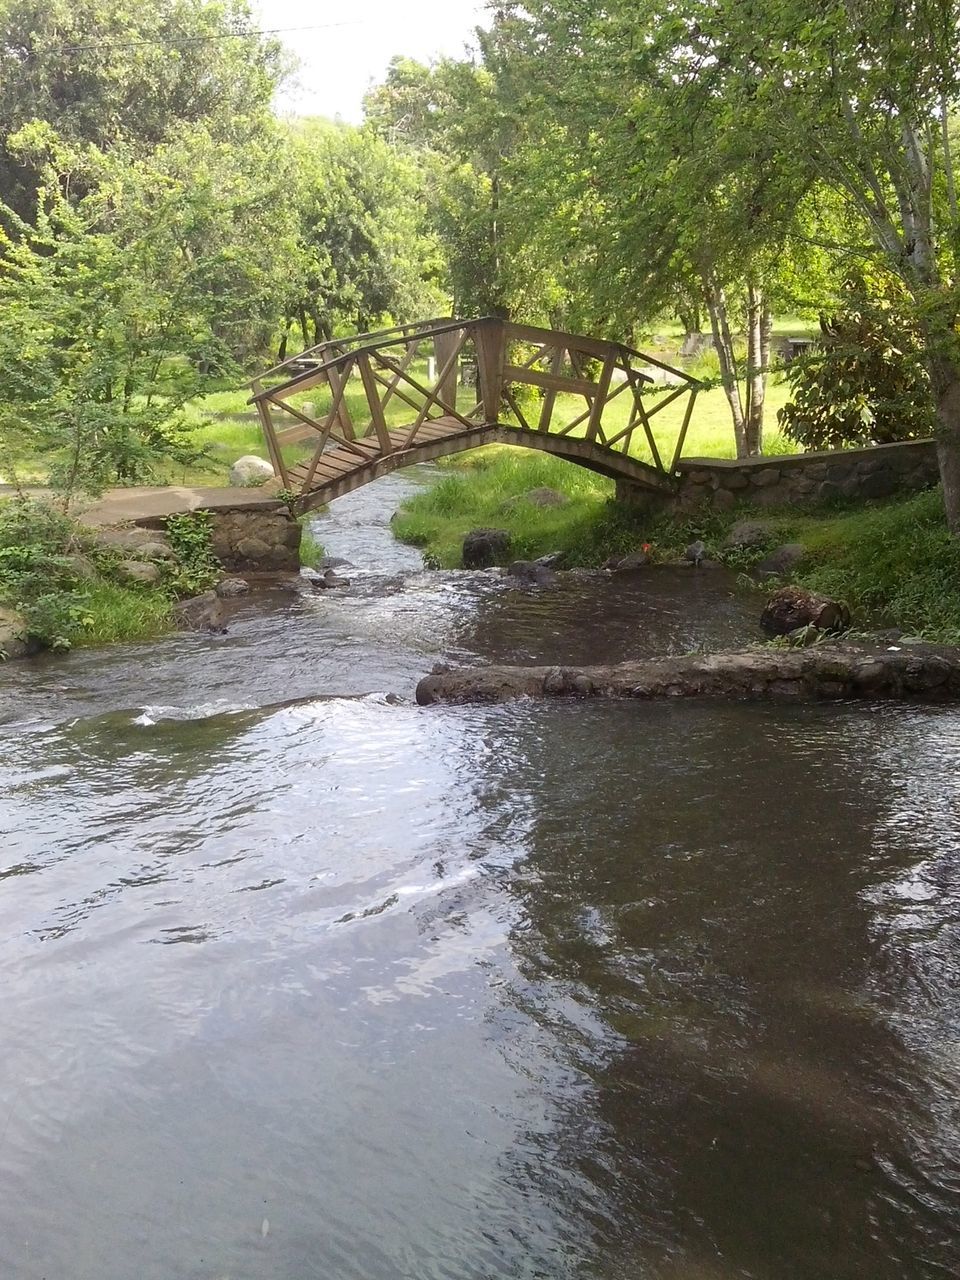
(865, 382)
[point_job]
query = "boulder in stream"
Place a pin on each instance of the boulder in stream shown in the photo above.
(483, 548)
(230, 588)
(201, 613)
(533, 573)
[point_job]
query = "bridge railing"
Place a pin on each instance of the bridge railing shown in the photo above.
(388, 391)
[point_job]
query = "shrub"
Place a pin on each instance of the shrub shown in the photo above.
(865, 382)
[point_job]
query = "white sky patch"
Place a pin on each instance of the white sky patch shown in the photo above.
(339, 61)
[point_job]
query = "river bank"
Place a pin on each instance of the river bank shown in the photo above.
(892, 561)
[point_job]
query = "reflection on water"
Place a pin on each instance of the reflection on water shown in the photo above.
(350, 989)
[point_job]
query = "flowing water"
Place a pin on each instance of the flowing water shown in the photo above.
(344, 988)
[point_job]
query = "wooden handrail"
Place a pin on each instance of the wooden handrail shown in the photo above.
(556, 367)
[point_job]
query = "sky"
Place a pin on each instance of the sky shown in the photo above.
(352, 44)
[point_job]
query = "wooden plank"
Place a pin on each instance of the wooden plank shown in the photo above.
(572, 341)
(586, 413)
(338, 381)
(430, 397)
(393, 385)
(550, 399)
(683, 430)
(270, 439)
(600, 400)
(447, 347)
(327, 428)
(549, 381)
(512, 402)
(373, 403)
(490, 338)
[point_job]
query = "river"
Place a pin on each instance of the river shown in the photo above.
(304, 985)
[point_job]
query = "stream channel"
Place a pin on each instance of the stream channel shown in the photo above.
(346, 989)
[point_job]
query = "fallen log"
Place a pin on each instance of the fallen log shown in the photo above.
(791, 608)
(826, 672)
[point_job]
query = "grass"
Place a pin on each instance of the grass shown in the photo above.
(895, 562)
(121, 614)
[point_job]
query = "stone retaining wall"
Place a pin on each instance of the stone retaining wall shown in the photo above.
(249, 539)
(808, 479)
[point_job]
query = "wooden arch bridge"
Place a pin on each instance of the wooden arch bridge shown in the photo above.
(378, 401)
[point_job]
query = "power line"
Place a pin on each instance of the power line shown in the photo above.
(223, 35)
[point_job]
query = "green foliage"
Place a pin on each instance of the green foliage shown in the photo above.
(61, 604)
(894, 563)
(866, 381)
(117, 613)
(137, 76)
(197, 568)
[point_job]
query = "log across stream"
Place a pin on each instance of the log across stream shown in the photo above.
(837, 671)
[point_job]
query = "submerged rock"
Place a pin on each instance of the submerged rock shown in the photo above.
(201, 613)
(483, 548)
(533, 573)
(230, 588)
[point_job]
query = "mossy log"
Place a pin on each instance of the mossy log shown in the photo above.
(824, 672)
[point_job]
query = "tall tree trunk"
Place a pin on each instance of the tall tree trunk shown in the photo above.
(945, 375)
(759, 327)
(723, 341)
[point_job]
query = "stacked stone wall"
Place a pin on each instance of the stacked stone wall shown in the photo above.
(252, 539)
(808, 479)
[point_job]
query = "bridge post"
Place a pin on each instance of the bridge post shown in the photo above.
(491, 349)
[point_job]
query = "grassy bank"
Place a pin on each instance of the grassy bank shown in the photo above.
(892, 562)
(62, 586)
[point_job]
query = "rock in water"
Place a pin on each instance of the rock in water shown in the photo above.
(533, 573)
(230, 588)
(13, 633)
(201, 613)
(249, 471)
(792, 607)
(484, 548)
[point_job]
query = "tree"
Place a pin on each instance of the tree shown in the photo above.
(114, 310)
(865, 380)
(364, 251)
(105, 73)
(852, 94)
